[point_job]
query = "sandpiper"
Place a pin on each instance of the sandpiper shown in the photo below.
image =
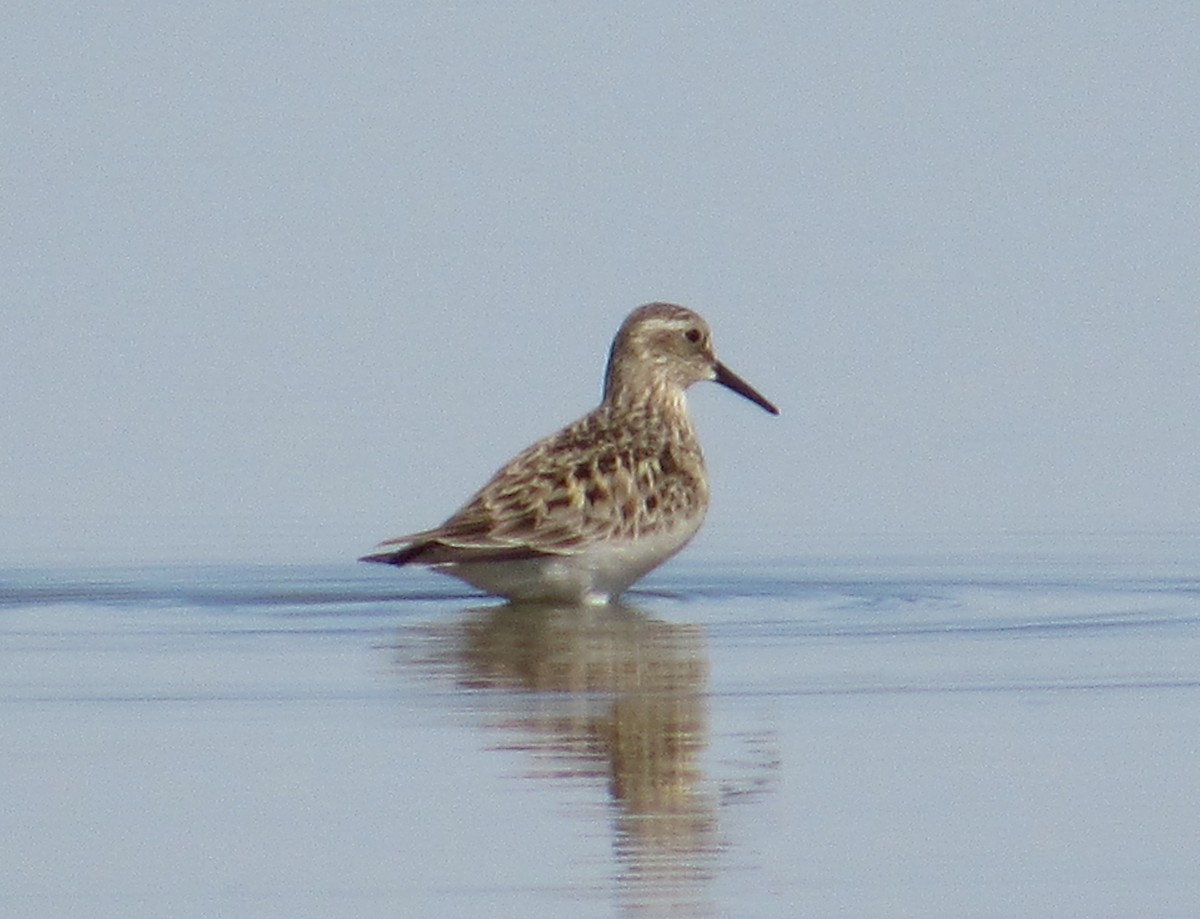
(582, 514)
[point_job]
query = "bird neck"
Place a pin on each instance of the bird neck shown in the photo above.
(631, 383)
(647, 394)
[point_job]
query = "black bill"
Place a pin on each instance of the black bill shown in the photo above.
(731, 380)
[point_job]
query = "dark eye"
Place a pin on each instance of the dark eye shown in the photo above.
(693, 335)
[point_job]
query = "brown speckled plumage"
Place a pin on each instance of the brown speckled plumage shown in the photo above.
(628, 474)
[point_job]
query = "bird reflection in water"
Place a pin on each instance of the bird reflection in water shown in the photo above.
(604, 692)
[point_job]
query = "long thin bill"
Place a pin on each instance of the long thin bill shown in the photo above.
(731, 380)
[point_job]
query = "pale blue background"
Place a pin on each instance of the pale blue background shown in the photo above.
(280, 280)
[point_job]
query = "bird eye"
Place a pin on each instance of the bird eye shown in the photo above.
(693, 335)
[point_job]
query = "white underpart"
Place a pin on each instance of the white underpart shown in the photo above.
(595, 574)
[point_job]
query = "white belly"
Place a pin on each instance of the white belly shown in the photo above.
(595, 574)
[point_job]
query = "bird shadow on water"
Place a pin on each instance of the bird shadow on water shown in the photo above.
(605, 695)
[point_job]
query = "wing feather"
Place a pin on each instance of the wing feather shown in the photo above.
(574, 488)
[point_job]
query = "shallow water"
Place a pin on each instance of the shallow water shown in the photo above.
(946, 731)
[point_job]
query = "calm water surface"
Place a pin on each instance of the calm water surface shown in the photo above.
(992, 731)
